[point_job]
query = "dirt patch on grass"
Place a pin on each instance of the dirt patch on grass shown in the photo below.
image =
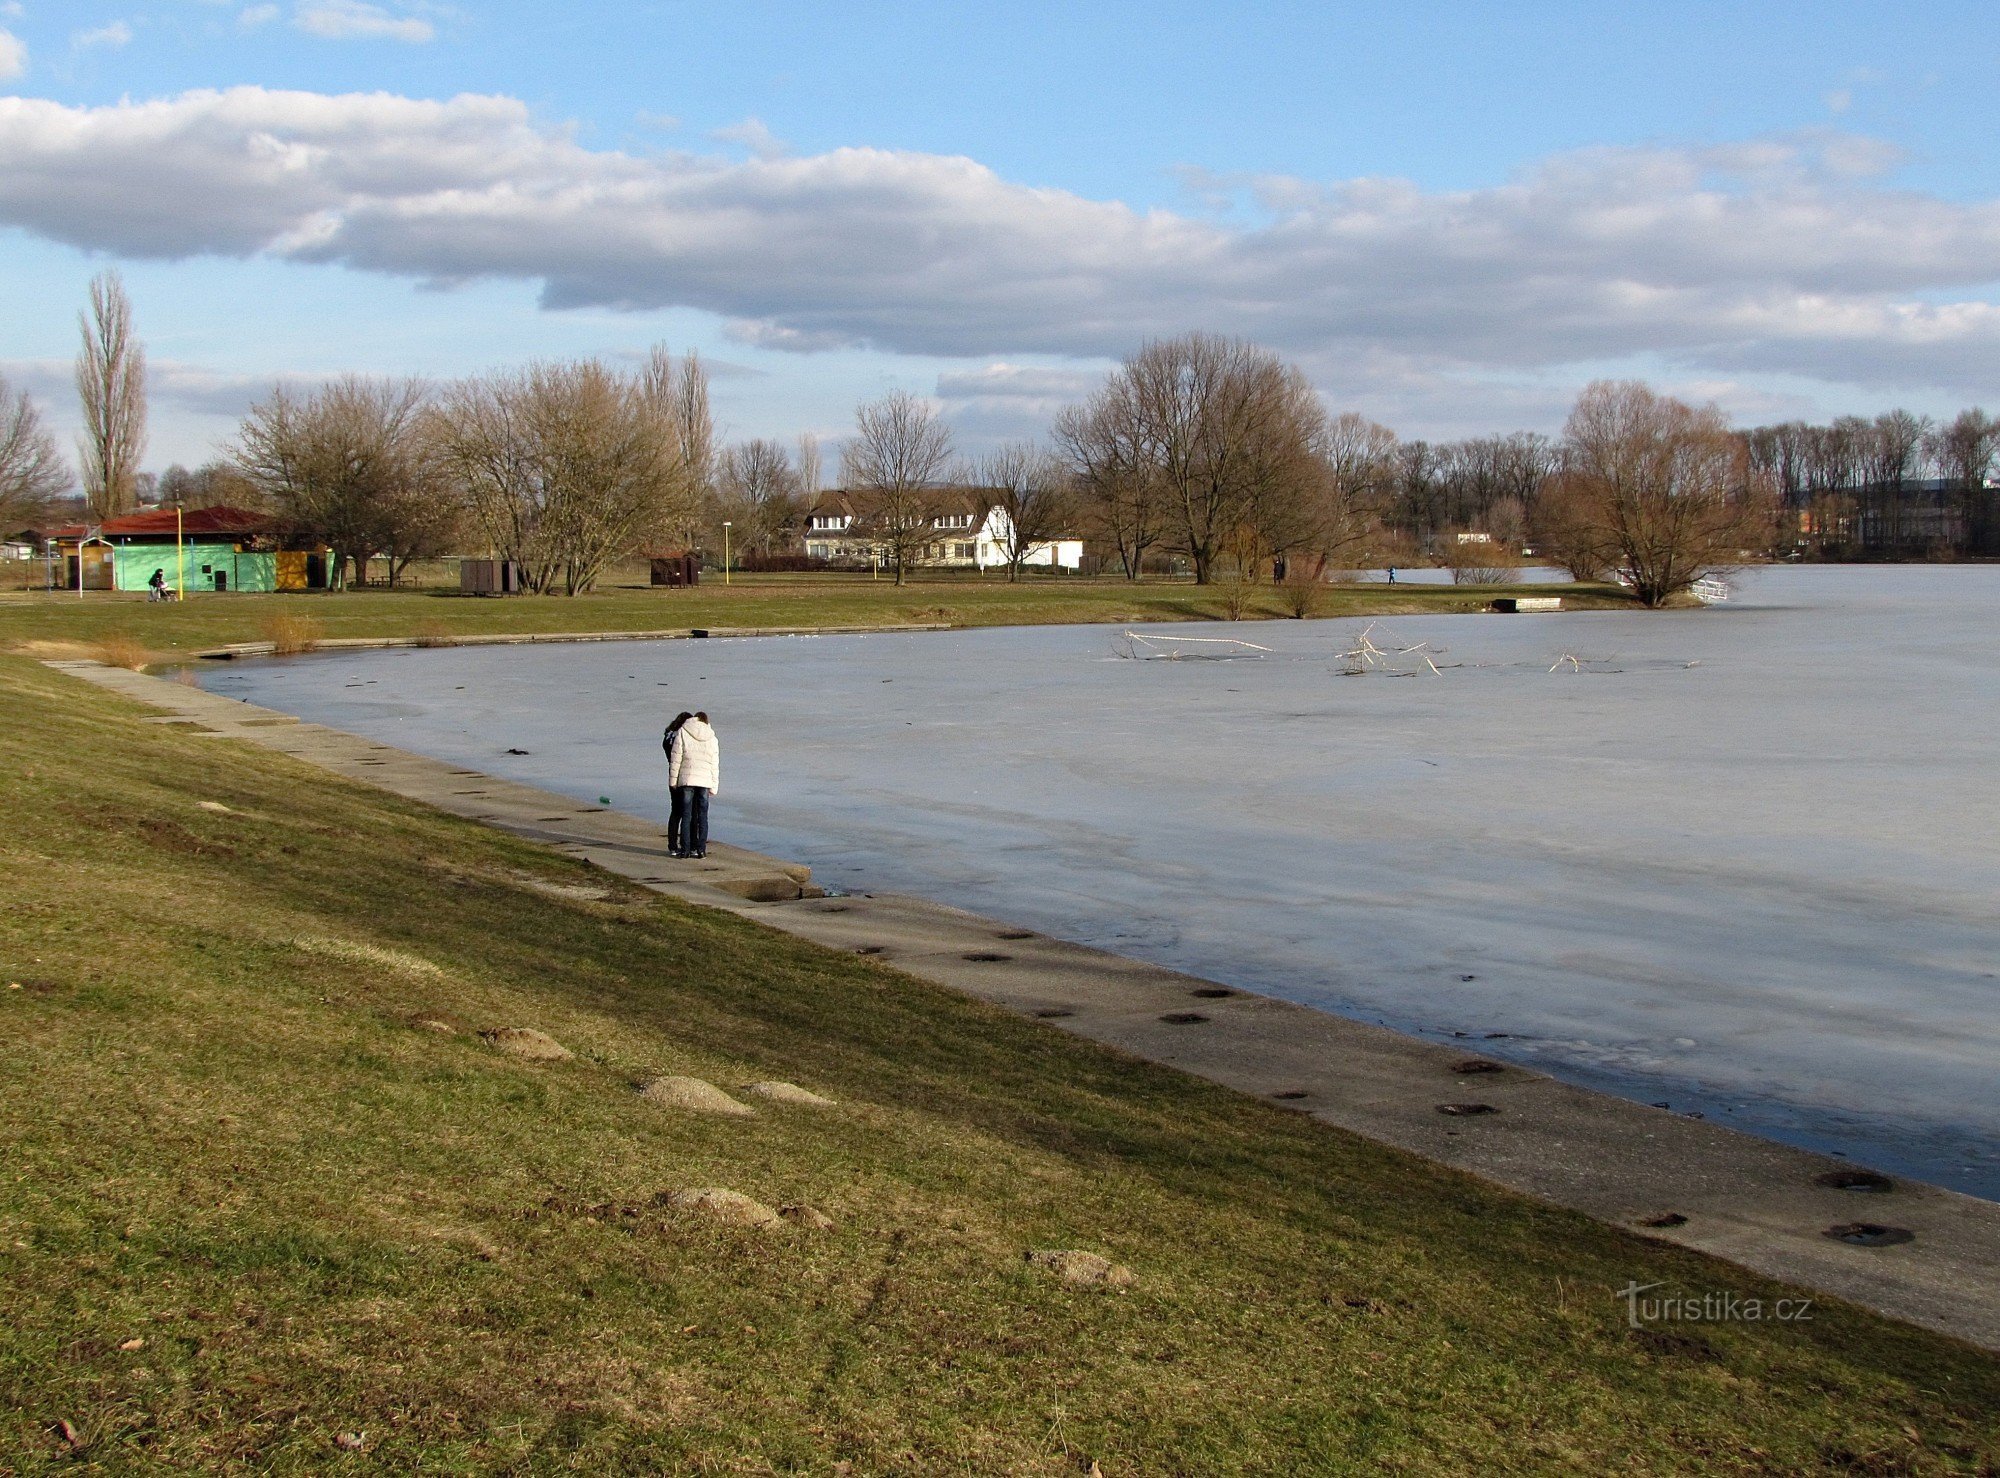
(573, 892)
(724, 1205)
(527, 1044)
(354, 952)
(694, 1094)
(790, 1093)
(1082, 1269)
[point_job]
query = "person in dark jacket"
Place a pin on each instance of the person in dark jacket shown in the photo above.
(676, 795)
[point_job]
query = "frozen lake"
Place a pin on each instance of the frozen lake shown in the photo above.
(1744, 860)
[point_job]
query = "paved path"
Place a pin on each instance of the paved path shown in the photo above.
(1761, 1204)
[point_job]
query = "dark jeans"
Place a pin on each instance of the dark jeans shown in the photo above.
(677, 812)
(696, 824)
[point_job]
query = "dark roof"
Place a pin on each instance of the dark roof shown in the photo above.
(195, 522)
(158, 523)
(863, 503)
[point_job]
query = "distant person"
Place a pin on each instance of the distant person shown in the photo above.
(156, 587)
(694, 770)
(676, 799)
(1392, 574)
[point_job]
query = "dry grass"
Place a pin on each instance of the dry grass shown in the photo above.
(435, 634)
(322, 1215)
(290, 633)
(122, 651)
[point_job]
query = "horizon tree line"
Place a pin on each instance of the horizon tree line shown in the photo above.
(1200, 452)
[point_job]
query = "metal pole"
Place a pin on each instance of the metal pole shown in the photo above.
(725, 551)
(180, 558)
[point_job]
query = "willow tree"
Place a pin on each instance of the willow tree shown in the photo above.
(111, 384)
(1662, 491)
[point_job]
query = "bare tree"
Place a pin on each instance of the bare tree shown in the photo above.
(810, 471)
(567, 466)
(350, 465)
(1662, 486)
(31, 470)
(1965, 452)
(211, 485)
(111, 383)
(900, 449)
(1896, 454)
(1102, 442)
(757, 490)
(1031, 490)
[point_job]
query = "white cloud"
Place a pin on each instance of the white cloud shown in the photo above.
(1774, 256)
(13, 55)
(252, 17)
(111, 37)
(753, 135)
(348, 20)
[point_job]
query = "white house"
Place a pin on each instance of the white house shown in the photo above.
(965, 529)
(996, 534)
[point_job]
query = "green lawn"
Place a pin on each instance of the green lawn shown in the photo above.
(250, 1209)
(749, 600)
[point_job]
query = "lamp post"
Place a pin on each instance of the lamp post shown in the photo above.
(725, 551)
(180, 552)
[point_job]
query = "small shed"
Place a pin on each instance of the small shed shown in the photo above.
(210, 548)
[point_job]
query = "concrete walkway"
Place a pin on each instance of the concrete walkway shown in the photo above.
(1763, 1205)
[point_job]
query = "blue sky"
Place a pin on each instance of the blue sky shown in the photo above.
(1450, 215)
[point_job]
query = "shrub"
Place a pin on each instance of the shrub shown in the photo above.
(123, 651)
(291, 635)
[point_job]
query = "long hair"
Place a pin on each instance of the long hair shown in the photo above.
(680, 718)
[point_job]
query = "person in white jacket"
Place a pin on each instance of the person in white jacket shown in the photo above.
(694, 772)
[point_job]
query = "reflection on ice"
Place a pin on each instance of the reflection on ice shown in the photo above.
(1742, 861)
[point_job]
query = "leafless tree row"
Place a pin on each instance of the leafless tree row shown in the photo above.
(561, 467)
(1897, 485)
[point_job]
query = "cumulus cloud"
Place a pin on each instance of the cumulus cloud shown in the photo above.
(252, 17)
(347, 20)
(13, 55)
(110, 36)
(1788, 255)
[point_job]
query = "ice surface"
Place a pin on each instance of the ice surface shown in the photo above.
(1744, 861)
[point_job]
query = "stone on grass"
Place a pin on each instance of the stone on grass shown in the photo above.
(1084, 1269)
(526, 1042)
(788, 1093)
(725, 1205)
(695, 1094)
(810, 1217)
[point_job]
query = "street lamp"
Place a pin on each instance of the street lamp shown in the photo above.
(180, 552)
(725, 551)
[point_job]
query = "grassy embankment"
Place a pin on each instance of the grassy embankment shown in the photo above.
(135, 630)
(254, 1216)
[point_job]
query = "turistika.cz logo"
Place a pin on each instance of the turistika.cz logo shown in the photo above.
(1707, 1308)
